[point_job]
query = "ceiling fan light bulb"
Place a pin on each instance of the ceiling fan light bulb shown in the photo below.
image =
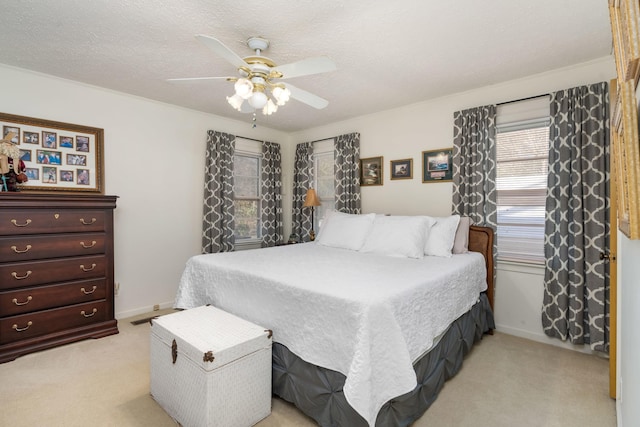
(244, 88)
(270, 108)
(235, 101)
(281, 94)
(258, 100)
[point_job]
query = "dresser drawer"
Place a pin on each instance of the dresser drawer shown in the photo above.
(22, 274)
(16, 328)
(28, 300)
(26, 248)
(54, 221)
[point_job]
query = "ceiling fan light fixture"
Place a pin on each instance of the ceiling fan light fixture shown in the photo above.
(258, 100)
(281, 94)
(270, 108)
(235, 101)
(244, 88)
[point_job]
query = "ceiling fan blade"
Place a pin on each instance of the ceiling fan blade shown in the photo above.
(320, 64)
(191, 79)
(223, 51)
(307, 97)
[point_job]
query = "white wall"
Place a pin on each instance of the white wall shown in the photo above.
(628, 371)
(154, 162)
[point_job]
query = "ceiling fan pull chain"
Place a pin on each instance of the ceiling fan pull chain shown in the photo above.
(254, 120)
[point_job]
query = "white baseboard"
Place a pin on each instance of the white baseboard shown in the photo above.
(141, 310)
(542, 338)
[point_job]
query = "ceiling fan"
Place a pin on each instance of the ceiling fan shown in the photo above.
(259, 85)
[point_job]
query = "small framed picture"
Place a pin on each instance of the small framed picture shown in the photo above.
(49, 140)
(47, 157)
(82, 143)
(66, 141)
(33, 174)
(12, 129)
(66, 176)
(31, 138)
(83, 177)
(402, 169)
(77, 159)
(371, 171)
(25, 155)
(49, 174)
(437, 165)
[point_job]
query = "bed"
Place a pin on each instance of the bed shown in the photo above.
(352, 342)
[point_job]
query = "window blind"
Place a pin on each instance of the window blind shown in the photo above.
(522, 165)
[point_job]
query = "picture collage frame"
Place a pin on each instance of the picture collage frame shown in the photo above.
(57, 156)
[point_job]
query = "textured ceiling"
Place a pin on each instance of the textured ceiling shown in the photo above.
(387, 53)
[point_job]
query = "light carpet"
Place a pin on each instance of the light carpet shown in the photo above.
(505, 381)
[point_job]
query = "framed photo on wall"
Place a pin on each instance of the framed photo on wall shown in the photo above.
(58, 156)
(402, 169)
(371, 171)
(437, 165)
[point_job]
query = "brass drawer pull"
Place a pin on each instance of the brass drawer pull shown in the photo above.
(29, 323)
(18, 251)
(88, 223)
(90, 292)
(88, 269)
(29, 298)
(93, 243)
(15, 275)
(95, 310)
(15, 222)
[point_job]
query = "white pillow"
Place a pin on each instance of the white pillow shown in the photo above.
(398, 236)
(461, 241)
(347, 231)
(441, 236)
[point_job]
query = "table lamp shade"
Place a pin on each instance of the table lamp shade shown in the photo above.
(311, 199)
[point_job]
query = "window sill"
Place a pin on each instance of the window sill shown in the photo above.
(520, 267)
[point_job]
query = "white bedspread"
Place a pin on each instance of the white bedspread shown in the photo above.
(367, 316)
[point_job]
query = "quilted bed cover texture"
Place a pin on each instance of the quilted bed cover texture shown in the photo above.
(367, 316)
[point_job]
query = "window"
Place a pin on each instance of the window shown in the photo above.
(324, 181)
(522, 165)
(247, 196)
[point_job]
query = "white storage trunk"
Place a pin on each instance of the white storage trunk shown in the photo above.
(211, 368)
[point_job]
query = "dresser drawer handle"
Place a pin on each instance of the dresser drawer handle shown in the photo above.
(29, 298)
(93, 243)
(88, 223)
(18, 251)
(87, 269)
(29, 323)
(90, 292)
(95, 310)
(15, 222)
(15, 275)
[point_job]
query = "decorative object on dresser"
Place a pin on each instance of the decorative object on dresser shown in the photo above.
(57, 156)
(56, 270)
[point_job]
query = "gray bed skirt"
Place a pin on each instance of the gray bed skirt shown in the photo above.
(318, 391)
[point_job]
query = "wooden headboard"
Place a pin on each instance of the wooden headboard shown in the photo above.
(481, 240)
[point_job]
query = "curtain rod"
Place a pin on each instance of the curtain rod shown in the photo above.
(250, 139)
(523, 99)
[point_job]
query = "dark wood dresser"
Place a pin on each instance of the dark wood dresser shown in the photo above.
(56, 270)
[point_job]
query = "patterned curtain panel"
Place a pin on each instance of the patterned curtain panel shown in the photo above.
(302, 177)
(271, 216)
(218, 223)
(474, 164)
(576, 281)
(347, 173)
(474, 167)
